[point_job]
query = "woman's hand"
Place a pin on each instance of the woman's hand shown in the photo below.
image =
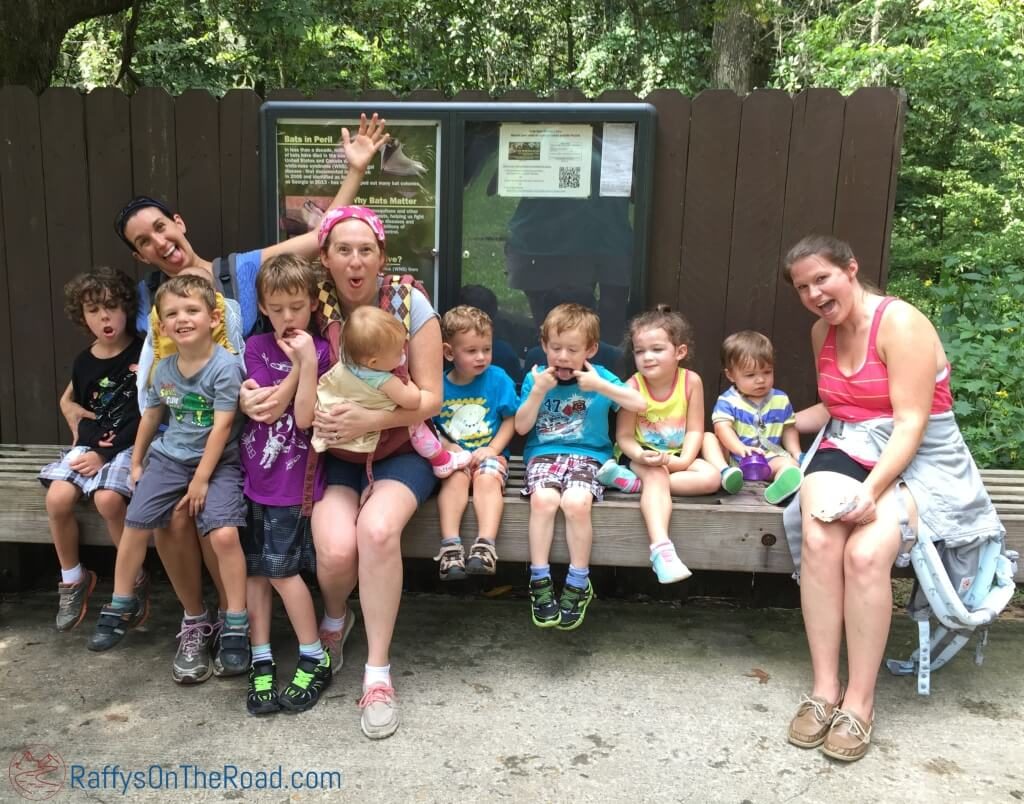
(344, 422)
(370, 138)
(863, 512)
(253, 401)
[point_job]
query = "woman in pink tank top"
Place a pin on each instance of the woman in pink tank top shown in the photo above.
(877, 357)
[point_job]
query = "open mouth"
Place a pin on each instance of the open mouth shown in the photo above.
(565, 373)
(108, 331)
(827, 308)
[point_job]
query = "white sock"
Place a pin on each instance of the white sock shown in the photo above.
(332, 623)
(376, 675)
(657, 546)
(73, 575)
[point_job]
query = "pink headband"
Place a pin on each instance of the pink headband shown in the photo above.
(339, 214)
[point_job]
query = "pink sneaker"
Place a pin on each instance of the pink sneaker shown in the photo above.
(455, 462)
(333, 642)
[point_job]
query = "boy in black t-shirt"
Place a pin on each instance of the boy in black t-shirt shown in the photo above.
(103, 381)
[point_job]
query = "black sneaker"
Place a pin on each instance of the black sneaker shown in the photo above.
(311, 678)
(232, 658)
(544, 607)
(112, 624)
(262, 698)
(573, 607)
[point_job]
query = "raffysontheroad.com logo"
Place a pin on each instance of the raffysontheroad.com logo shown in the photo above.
(37, 772)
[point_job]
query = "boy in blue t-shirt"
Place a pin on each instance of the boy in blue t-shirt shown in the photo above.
(476, 416)
(564, 415)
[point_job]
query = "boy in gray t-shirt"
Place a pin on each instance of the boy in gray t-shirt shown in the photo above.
(194, 465)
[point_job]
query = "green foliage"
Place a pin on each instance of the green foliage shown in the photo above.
(958, 237)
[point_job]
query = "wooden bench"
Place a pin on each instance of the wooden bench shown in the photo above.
(737, 533)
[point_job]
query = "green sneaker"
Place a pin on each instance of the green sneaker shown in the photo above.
(262, 696)
(732, 479)
(310, 680)
(784, 486)
(573, 606)
(543, 606)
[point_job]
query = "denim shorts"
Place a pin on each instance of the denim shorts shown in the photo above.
(407, 468)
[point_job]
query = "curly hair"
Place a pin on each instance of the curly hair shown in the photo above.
(101, 285)
(465, 318)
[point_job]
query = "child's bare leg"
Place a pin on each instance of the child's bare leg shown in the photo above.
(298, 602)
(61, 497)
(131, 554)
(213, 567)
(700, 477)
(259, 600)
(179, 551)
(730, 477)
(780, 462)
(543, 508)
(231, 561)
(576, 505)
(655, 500)
(112, 507)
(451, 503)
(488, 504)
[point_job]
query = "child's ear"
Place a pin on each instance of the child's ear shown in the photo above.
(682, 350)
(592, 350)
(215, 316)
(728, 375)
(448, 352)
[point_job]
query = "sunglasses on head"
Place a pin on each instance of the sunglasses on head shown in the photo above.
(133, 206)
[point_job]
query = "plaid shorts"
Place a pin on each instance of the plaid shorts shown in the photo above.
(278, 542)
(114, 475)
(563, 472)
(496, 466)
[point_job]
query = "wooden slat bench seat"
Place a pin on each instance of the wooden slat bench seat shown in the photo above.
(735, 533)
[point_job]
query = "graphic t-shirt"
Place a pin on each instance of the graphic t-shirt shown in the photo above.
(274, 455)
(571, 421)
(471, 414)
(192, 402)
(106, 386)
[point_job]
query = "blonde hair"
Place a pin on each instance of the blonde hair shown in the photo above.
(465, 318)
(747, 348)
(369, 331)
(185, 286)
(567, 317)
(285, 273)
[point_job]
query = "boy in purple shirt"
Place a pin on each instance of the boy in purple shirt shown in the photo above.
(280, 467)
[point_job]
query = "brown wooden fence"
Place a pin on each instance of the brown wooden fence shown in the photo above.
(737, 181)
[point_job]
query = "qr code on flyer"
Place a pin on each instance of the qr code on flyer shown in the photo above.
(568, 178)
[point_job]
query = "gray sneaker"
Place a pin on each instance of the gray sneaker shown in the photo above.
(380, 712)
(192, 661)
(74, 600)
(334, 641)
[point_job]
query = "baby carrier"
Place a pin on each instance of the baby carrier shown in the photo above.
(965, 587)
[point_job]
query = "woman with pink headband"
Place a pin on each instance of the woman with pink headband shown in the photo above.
(360, 539)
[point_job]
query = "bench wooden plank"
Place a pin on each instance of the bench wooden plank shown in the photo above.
(729, 533)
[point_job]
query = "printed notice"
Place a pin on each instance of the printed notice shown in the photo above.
(617, 159)
(544, 161)
(400, 185)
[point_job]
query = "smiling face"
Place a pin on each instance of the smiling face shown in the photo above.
(826, 289)
(753, 380)
(656, 357)
(288, 310)
(106, 319)
(159, 241)
(353, 257)
(567, 351)
(187, 320)
(469, 352)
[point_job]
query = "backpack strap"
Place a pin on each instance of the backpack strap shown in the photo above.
(224, 274)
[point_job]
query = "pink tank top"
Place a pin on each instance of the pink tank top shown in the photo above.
(864, 394)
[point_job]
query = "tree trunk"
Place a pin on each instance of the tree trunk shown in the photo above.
(31, 32)
(732, 46)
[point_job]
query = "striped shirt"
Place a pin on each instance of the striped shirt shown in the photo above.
(864, 394)
(757, 426)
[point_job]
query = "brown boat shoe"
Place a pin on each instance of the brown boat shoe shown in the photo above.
(813, 718)
(848, 738)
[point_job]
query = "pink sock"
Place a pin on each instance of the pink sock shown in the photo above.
(628, 485)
